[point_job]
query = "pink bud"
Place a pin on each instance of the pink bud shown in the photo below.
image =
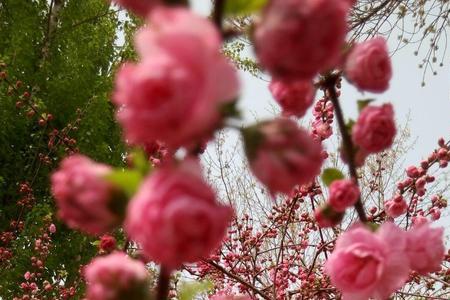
(343, 194)
(27, 275)
(436, 215)
(368, 65)
(412, 172)
(419, 220)
(395, 208)
(375, 129)
(52, 228)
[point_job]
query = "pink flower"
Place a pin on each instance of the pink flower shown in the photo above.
(282, 155)
(375, 128)
(83, 196)
(139, 7)
(395, 207)
(107, 243)
(368, 66)
(157, 152)
(52, 228)
(367, 265)
(175, 216)
(27, 275)
(294, 97)
(296, 39)
(343, 194)
(412, 172)
(321, 129)
(116, 277)
(425, 248)
(175, 94)
(170, 27)
(419, 220)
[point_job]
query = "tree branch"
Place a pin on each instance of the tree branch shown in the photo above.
(163, 283)
(237, 278)
(348, 148)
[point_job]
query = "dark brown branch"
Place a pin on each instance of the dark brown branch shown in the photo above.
(348, 148)
(219, 9)
(163, 283)
(237, 278)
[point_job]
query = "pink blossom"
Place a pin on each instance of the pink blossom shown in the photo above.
(169, 27)
(343, 194)
(139, 7)
(368, 264)
(375, 129)
(27, 275)
(368, 66)
(419, 220)
(435, 214)
(282, 155)
(425, 248)
(412, 172)
(83, 196)
(175, 89)
(395, 207)
(294, 97)
(296, 39)
(175, 216)
(321, 129)
(157, 152)
(116, 277)
(107, 243)
(52, 228)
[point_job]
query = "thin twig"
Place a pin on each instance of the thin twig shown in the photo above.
(237, 278)
(330, 85)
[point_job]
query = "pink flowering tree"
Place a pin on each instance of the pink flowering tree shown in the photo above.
(177, 95)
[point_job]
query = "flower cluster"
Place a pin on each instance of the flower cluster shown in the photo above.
(116, 277)
(372, 265)
(179, 92)
(172, 88)
(84, 196)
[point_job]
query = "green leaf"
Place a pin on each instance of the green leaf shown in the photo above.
(95, 243)
(253, 138)
(372, 226)
(140, 161)
(331, 174)
(188, 291)
(127, 180)
(244, 7)
(349, 126)
(362, 103)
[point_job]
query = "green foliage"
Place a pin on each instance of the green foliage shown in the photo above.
(67, 59)
(244, 7)
(127, 180)
(189, 291)
(331, 174)
(235, 51)
(362, 103)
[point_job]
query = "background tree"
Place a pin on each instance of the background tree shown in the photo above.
(57, 60)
